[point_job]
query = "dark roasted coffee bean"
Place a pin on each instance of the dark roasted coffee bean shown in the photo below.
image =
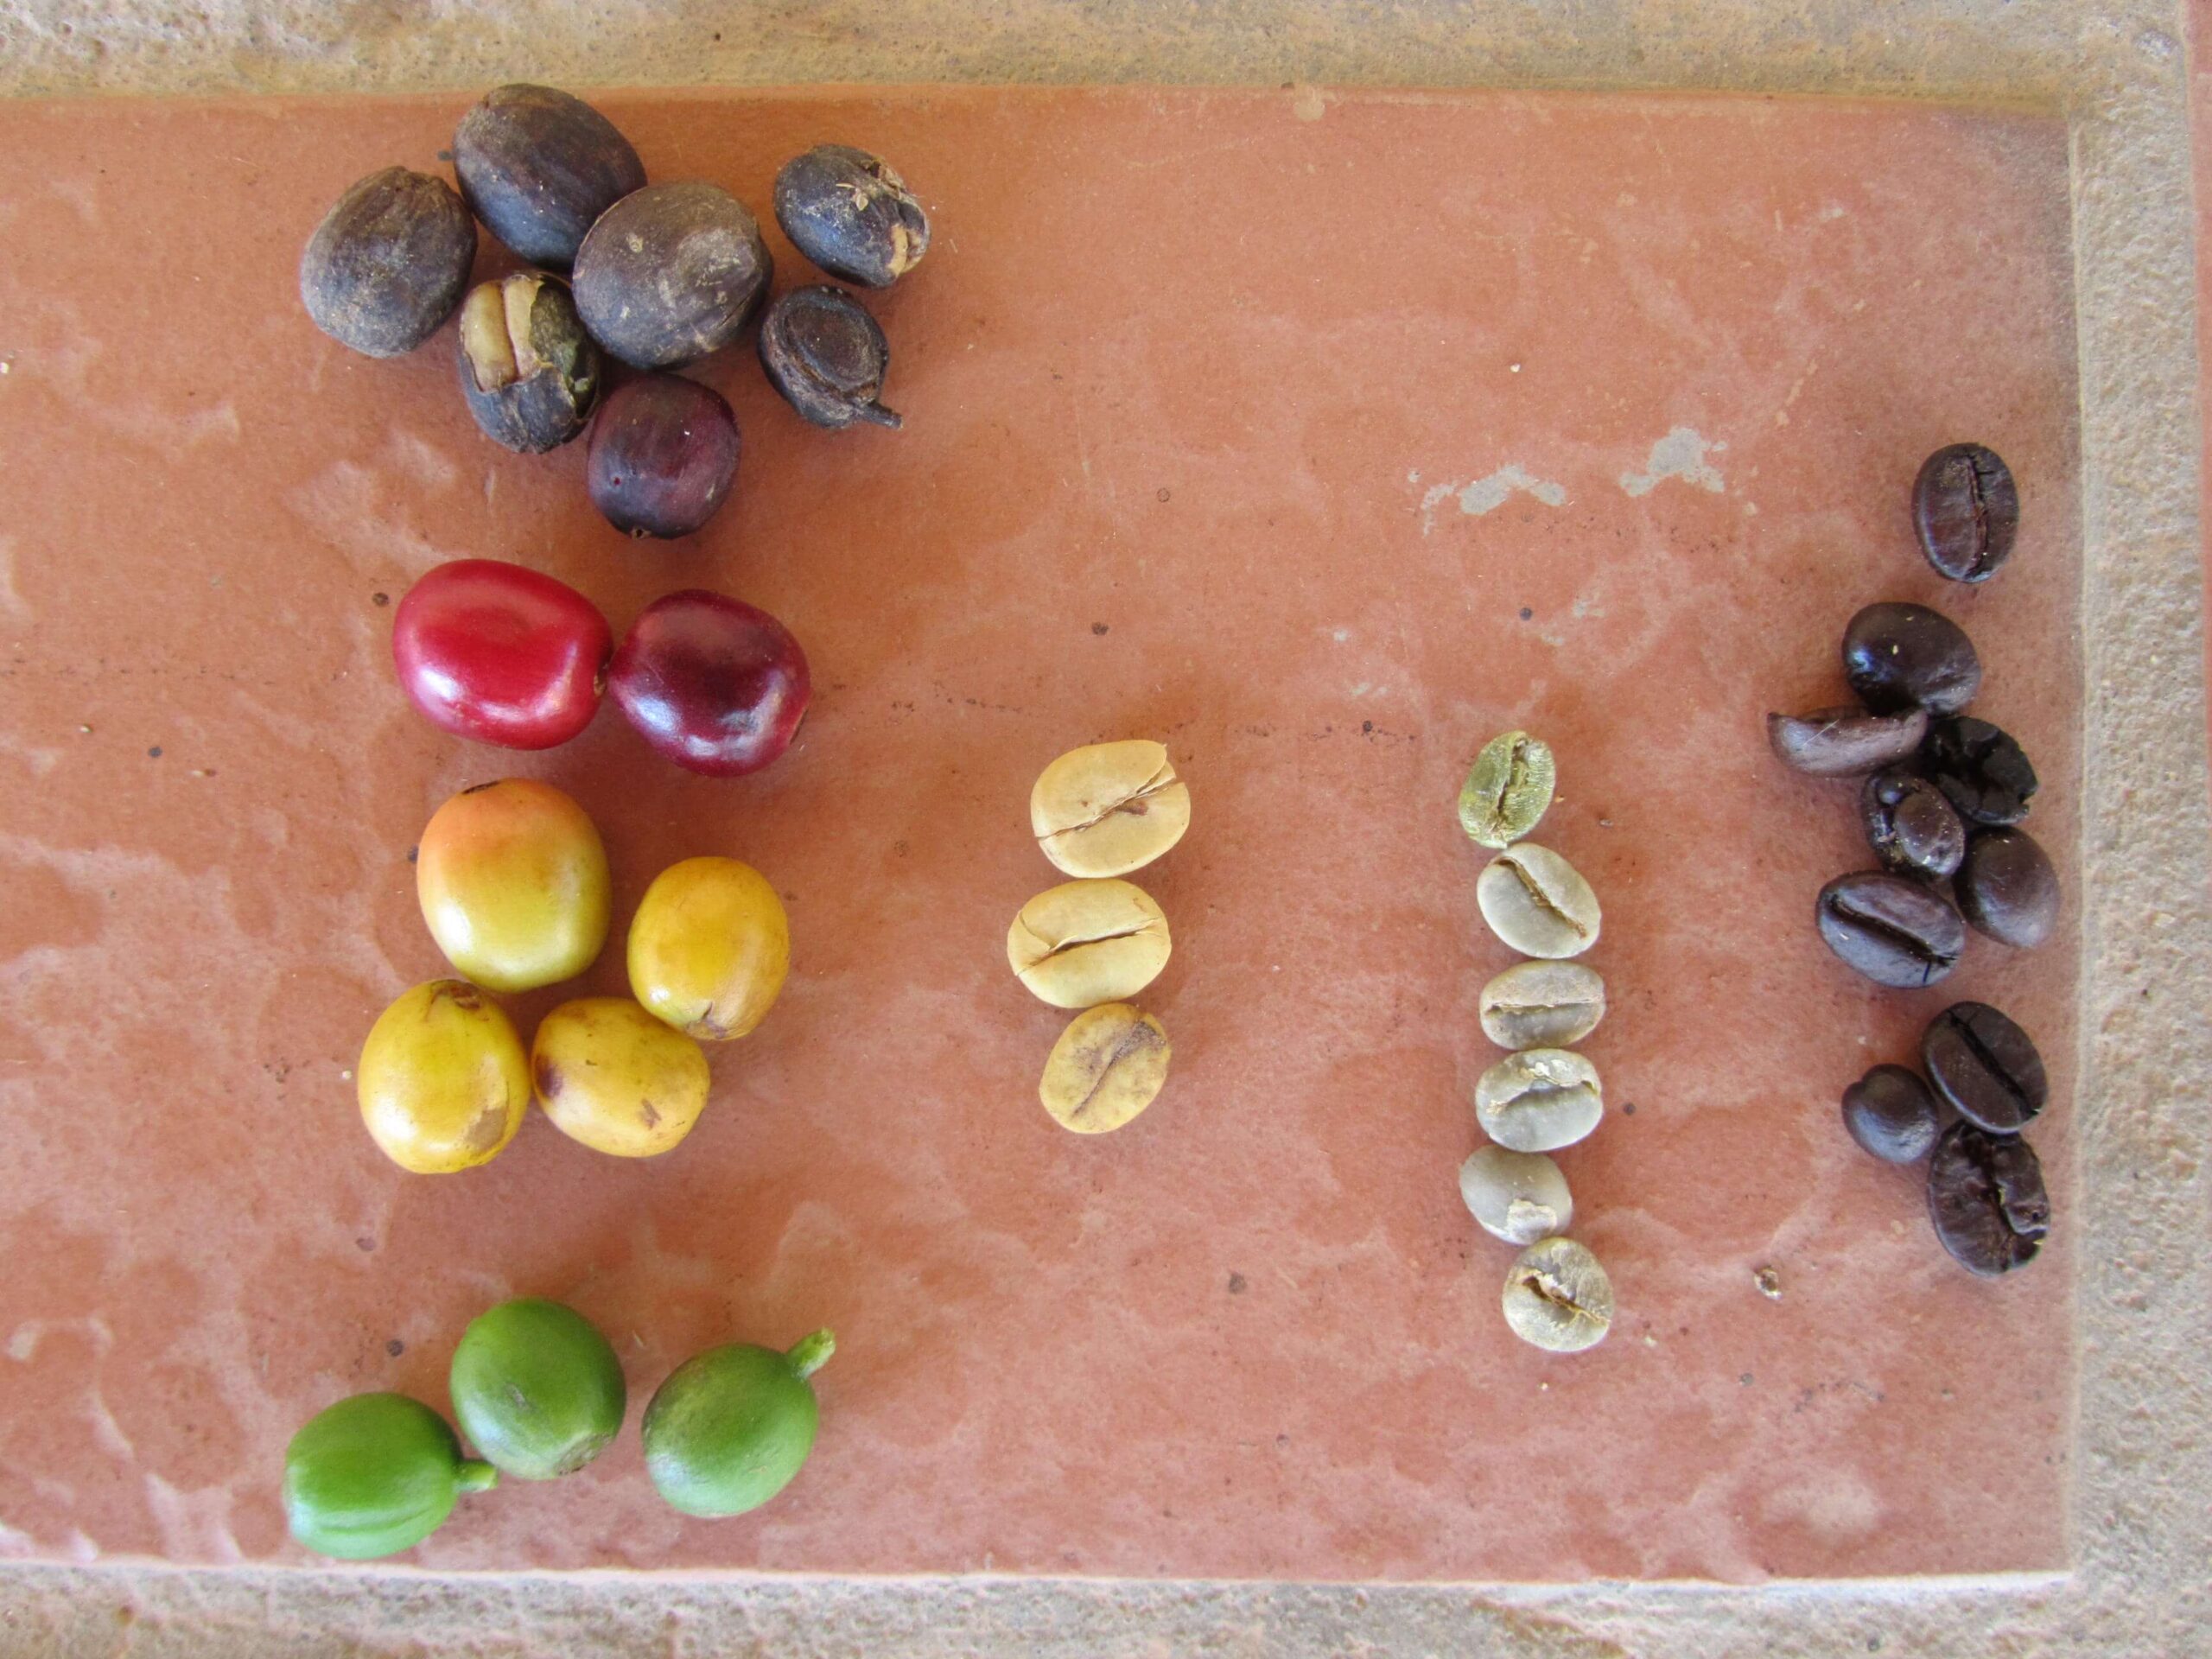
(1985, 1065)
(2008, 888)
(1894, 930)
(1844, 742)
(1890, 1113)
(1967, 512)
(1905, 656)
(1911, 828)
(1986, 1195)
(1980, 769)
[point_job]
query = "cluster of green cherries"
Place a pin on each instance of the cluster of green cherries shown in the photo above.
(539, 1394)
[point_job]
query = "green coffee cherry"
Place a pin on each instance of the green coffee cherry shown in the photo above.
(536, 1389)
(374, 1475)
(730, 1427)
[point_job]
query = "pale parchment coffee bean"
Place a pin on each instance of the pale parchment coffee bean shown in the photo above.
(1519, 1197)
(1109, 1065)
(1540, 1100)
(1542, 1005)
(1084, 942)
(1557, 1297)
(1538, 902)
(1509, 790)
(1110, 808)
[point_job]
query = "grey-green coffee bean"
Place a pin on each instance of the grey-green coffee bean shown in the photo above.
(1542, 1005)
(1519, 1197)
(1540, 1100)
(1508, 789)
(1558, 1298)
(1538, 902)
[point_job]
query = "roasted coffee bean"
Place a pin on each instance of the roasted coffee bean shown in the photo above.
(1542, 1005)
(1508, 789)
(1911, 825)
(1986, 1195)
(1558, 1298)
(1967, 510)
(538, 166)
(388, 263)
(1899, 656)
(1986, 1066)
(1980, 769)
(1844, 742)
(1890, 1112)
(1538, 902)
(2008, 888)
(1889, 928)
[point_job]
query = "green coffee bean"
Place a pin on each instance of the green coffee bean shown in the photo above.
(1507, 791)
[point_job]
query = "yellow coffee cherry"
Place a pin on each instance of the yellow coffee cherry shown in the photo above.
(611, 1076)
(513, 884)
(710, 948)
(443, 1080)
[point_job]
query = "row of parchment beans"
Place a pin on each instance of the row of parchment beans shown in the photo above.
(1543, 1097)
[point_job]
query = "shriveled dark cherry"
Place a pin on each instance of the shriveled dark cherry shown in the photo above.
(711, 682)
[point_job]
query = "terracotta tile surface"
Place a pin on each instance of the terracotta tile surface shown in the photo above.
(1320, 437)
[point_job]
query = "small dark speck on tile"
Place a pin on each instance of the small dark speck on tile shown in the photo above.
(1527, 614)
(1744, 1378)
(1282, 1440)
(445, 155)
(1164, 494)
(414, 852)
(379, 598)
(365, 1243)
(154, 753)
(1098, 627)
(1628, 1109)
(1236, 1284)
(394, 1347)
(1366, 724)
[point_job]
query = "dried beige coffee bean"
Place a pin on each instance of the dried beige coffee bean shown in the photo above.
(1507, 791)
(1519, 1197)
(1542, 1005)
(1108, 1067)
(1110, 808)
(1538, 902)
(1084, 942)
(1540, 1100)
(1558, 1298)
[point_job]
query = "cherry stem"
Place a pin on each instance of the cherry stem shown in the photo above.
(808, 1355)
(475, 1476)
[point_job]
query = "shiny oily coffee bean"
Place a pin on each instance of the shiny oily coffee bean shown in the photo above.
(1986, 1066)
(1981, 770)
(1109, 808)
(1507, 790)
(1542, 1005)
(1967, 510)
(1538, 902)
(1890, 928)
(1519, 1197)
(1890, 1112)
(1910, 823)
(1986, 1197)
(1540, 1100)
(1899, 656)
(1844, 742)
(1557, 1297)
(1109, 1065)
(1084, 942)
(2008, 888)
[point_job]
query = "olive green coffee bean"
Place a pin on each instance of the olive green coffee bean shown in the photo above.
(1508, 789)
(1084, 942)
(1538, 902)
(1519, 1197)
(1542, 1005)
(1540, 1100)
(1109, 808)
(1557, 1298)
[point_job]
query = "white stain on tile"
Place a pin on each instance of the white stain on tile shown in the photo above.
(1488, 494)
(1682, 454)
